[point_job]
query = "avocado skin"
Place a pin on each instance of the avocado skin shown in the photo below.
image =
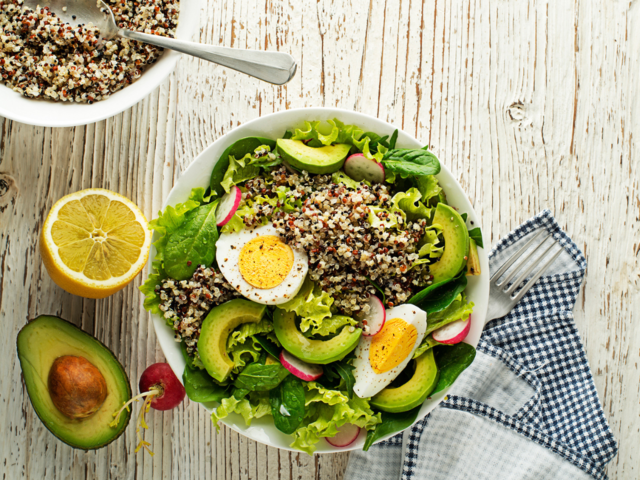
(39, 404)
(456, 244)
(313, 351)
(414, 392)
(321, 161)
(215, 330)
(238, 149)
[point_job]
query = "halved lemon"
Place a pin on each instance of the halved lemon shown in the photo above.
(94, 242)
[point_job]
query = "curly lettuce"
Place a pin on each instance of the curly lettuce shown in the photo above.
(254, 405)
(408, 205)
(247, 330)
(458, 309)
(430, 246)
(311, 304)
(330, 326)
(248, 167)
(428, 187)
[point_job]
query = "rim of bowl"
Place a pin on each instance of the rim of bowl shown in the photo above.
(480, 284)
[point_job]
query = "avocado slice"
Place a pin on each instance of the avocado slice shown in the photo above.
(412, 393)
(43, 341)
(473, 263)
(321, 160)
(313, 351)
(456, 244)
(215, 330)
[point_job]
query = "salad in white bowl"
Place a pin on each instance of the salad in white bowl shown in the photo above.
(318, 285)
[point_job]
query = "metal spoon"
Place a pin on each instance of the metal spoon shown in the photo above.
(273, 67)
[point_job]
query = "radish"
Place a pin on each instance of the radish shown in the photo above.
(454, 332)
(229, 203)
(373, 321)
(359, 167)
(161, 390)
(346, 435)
(303, 370)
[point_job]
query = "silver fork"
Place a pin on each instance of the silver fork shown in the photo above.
(504, 294)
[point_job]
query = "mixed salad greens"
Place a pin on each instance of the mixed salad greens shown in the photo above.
(319, 280)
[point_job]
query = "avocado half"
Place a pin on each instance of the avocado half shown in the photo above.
(215, 330)
(48, 338)
(456, 244)
(313, 351)
(321, 160)
(412, 393)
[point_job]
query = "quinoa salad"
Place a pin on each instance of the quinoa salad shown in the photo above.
(43, 57)
(319, 281)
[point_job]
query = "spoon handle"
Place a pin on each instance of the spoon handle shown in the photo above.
(273, 67)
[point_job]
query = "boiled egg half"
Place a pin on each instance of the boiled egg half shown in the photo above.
(381, 358)
(260, 266)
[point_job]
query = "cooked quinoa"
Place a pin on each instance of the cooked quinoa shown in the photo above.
(42, 57)
(185, 303)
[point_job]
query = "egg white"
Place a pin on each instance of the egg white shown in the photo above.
(228, 249)
(368, 382)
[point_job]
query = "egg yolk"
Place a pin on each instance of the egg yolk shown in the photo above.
(392, 345)
(265, 261)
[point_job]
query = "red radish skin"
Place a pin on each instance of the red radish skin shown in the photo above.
(228, 206)
(454, 332)
(160, 374)
(373, 321)
(303, 370)
(346, 435)
(359, 168)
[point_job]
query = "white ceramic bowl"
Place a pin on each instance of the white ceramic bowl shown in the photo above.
(273, 126)
(47, 113)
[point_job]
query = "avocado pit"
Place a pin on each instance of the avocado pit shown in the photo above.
(76, 386)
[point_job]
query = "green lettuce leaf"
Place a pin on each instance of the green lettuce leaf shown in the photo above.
(254, 405)
(341, 177)
(408, 205)
(237, 221)
(243, 353)
(168, 221)
(327, 410)
(457, 310)
(430, 245)
(428, 187)
(247, 330)
(329, 326)
(387, 222)
(427, 344)
(247, 167)
(311, 304)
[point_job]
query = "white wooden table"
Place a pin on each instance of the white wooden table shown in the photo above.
(531, 104)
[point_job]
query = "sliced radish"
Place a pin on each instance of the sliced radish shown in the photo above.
(346, 435)
(454, 332)
(359, 167)
(229, 203)
(373, 321)
(302, 370)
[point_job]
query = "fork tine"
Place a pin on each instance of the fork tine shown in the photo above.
(528, 270)
(496, 276)
(535, 278)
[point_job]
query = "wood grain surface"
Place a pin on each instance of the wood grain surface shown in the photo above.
(531, 104)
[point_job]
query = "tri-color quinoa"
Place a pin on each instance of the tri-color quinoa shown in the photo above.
(42, 57)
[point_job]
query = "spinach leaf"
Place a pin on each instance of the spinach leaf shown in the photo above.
(270, 347)
(238, 149)
(375, 139)
(377, 287)
(391, 423)
(410, 162)
(451, 362)
(260, 378)
(287, 135)
(337, 372)
(240, 393)
(200, 387)
(193, 243)
(287, 404)
(464, 217)
(424, 293)
(476, 234)
(440, 298)
(393, 140)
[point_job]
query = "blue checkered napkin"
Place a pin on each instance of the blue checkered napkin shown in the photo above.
(527, 407)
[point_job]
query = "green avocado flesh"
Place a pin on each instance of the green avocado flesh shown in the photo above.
(215, 330)
(473, 264)
(456, 244)
(412, 393)
(41, 342)
(313, 351)
(321, 160)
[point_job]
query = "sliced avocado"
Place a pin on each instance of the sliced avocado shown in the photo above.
(456, 244)
(473, 263)
(215, 330)
(43, 341)
(313, 351)
(238, 149)
(321, 160)
(412, 393)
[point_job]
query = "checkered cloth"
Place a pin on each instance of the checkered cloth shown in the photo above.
(527, 408)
